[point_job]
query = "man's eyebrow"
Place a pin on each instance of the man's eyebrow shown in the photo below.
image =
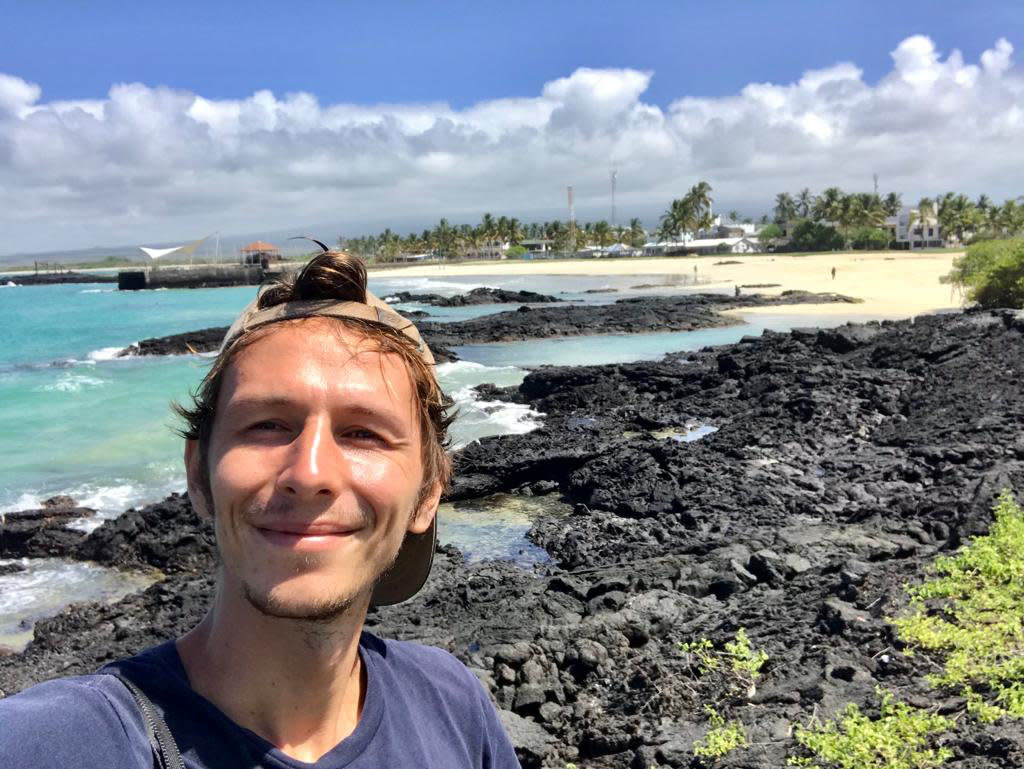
(254, 402)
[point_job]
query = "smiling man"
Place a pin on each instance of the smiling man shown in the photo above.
(316, 446)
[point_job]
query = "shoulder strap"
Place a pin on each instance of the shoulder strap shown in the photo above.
(165, 749)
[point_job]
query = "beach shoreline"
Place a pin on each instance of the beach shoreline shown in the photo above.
(891, 284)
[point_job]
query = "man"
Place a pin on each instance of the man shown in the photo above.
(316, 446)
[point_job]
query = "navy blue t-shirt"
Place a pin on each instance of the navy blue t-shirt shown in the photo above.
(422, 709)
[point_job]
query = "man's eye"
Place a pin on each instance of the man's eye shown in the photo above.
(362, 434)
(265, 426)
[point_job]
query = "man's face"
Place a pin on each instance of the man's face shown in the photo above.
(315, 468)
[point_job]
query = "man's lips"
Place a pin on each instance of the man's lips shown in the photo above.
(305, 536)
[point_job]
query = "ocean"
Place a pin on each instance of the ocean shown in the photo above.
(77, 419)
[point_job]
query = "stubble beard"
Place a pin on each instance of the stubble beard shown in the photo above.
(324, 611)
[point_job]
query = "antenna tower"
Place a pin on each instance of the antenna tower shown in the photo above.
(615, 174)
(572, 219)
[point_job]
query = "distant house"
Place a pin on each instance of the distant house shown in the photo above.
(493, 250)
(908, 232)
(537, 245)
(704, 246)
(260, 252)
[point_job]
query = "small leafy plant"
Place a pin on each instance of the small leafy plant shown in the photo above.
(972, 614)
(897, 739)
(723, 737)
(738, 662)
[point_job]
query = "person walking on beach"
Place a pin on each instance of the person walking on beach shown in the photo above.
(833, 273)
(316, 445)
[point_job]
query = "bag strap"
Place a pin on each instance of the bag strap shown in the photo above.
(165, 750)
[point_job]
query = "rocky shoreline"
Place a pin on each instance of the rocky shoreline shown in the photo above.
(626, 316)
(844, 461)
(476, 296)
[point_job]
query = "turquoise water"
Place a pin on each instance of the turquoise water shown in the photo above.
(75, 419)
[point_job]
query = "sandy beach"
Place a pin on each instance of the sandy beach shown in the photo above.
(891, 284)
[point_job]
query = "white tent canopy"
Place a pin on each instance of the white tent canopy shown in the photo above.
(156, 253)
(188, 248)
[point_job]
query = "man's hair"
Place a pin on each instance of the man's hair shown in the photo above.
(339, 276)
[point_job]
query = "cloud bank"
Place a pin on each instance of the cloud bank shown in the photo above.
(150, 164)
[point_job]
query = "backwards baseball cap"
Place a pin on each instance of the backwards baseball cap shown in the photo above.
(411, 568)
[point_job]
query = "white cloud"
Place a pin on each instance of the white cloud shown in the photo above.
(153, 163)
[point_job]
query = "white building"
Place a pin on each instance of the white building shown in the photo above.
(704, 246)
(907, 231)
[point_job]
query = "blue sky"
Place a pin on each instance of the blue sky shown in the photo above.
(136, 120)
(463, 52)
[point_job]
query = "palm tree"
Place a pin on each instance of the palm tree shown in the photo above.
(734, 216)
(892, 204)
(805, 202)
(828, 205)
(637, 236)
(785, 208)
(923, 214)
(602, 233)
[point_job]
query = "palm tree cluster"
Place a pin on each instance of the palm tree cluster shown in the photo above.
(847, 210)
(687, 214)
(954, 213)
(957, 215)
(490, 236)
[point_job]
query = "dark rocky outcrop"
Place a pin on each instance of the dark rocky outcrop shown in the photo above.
(42, 532)
(482, 295)
(845, 460)
(53, 278)
(627, 316)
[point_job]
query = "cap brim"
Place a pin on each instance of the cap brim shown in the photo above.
(410, 569)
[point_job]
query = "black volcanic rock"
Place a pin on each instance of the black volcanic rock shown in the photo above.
(204, 340)
(483, 295)
(635, 315)
(844, 462)
(168, 536)
(41, 532)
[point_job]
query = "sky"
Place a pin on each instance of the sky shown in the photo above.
(143, 123)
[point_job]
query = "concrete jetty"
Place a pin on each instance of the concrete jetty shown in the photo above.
(203, 276)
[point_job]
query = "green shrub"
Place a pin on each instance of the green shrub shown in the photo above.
(869, 238)
(722, 738)
(738, 664)
(813, 236)
(515, 251)
(992, 273)
(897, 739)
(972, 612)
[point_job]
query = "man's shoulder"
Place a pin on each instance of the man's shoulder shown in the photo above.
(425, 667)
(81, 721)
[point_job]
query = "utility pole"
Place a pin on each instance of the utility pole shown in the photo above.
(615, 173)
(572, 220)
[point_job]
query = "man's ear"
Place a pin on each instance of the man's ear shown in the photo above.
(426, 511)
(198, 482)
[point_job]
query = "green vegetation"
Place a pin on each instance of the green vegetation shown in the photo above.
(687, 214)
(992, 273)
(972, 612)
(723, 737)
(813, 236)
(869, 239)
(728, 674)
(897, 739)
(737, 665)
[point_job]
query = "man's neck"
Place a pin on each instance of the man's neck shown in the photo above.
(298, 684)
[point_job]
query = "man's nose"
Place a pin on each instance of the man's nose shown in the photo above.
(313, 465)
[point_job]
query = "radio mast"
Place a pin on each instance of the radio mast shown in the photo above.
(572, 220)
(615, 174)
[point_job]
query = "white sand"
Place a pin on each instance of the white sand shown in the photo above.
(895, 284)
